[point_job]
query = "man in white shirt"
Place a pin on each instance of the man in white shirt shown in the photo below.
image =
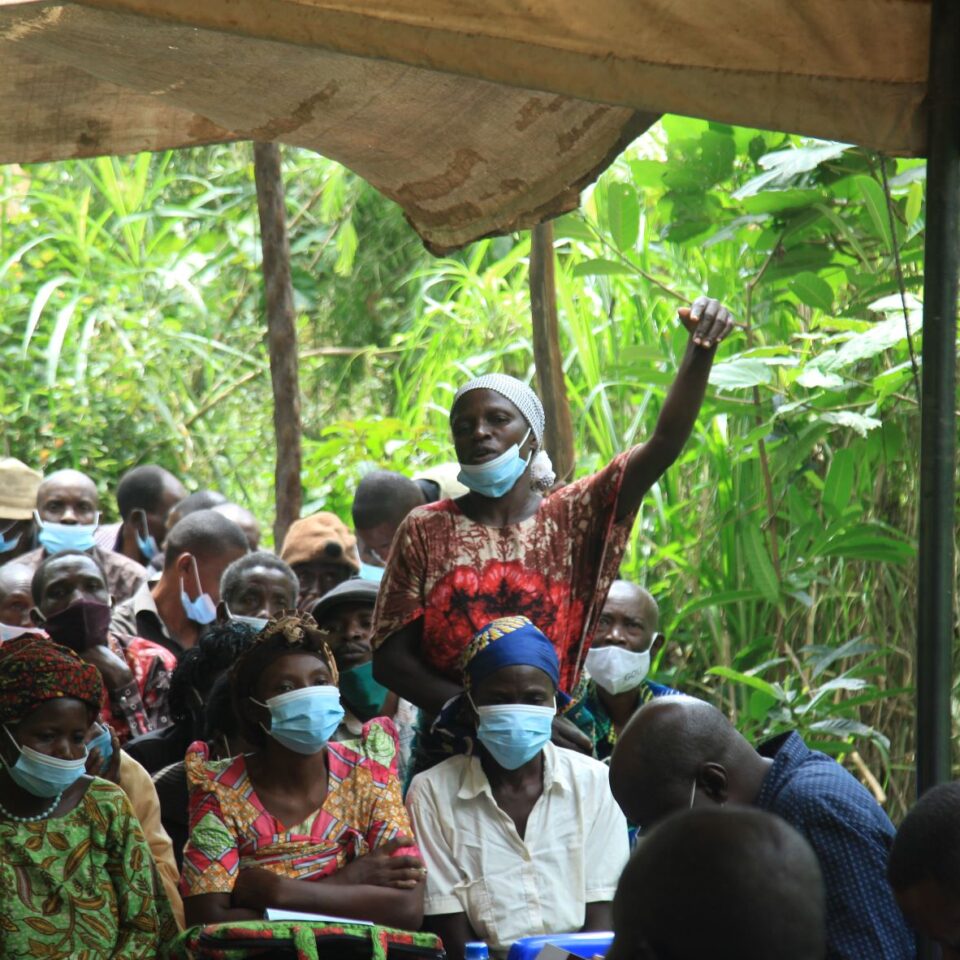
(519, 837)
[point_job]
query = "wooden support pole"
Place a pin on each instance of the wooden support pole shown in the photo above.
(936, 629)
(546, 352)
(281, 336)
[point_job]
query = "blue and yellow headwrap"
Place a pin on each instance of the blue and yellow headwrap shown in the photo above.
(508, 642)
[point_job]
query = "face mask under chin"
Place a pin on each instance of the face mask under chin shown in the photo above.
(55, 537)
(202, 610)
(496, 477)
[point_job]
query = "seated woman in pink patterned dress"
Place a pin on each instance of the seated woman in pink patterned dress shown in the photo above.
(300, 823)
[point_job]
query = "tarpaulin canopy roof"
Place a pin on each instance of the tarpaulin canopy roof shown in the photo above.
(476, 117)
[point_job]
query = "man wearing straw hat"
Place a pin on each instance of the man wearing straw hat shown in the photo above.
(18, 497)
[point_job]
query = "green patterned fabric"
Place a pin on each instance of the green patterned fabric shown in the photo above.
(304, 939)
(83, 886)
(588, 713)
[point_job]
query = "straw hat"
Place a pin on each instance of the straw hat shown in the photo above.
(18, 489)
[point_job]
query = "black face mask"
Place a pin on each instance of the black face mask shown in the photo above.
(80, 624)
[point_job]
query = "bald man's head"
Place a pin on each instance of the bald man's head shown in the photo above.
(673, 743)
(630, 618)
(68, 496)
(15, 596)
(720, 883)
(244, 519)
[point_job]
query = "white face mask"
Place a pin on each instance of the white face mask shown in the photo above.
(617, 669)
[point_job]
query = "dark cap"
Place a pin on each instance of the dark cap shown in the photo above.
(355, 590)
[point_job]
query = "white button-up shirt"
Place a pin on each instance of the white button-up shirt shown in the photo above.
(574, 849)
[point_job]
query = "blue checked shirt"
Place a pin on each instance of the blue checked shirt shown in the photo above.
(851, 836)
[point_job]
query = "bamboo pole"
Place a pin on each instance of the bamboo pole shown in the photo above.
(546, 352)
(281, 336)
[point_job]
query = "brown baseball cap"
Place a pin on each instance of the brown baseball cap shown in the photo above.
(322, 536)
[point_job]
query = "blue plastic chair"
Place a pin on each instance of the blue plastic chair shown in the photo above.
(585, 945)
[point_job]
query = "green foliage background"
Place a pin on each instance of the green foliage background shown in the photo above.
(781, 546)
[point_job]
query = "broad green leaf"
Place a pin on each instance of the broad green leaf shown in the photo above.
(647, 173)
(761, 568)
(771, 690)
(759, 704)
(780, 201)
(740, 373)
(914, 202)
(782, 166)
(875, 202)
(572, 227)
(812, 379)
(623, 214)
(678, 127)
(839, 483)
(842, 727)
(813, 291)
(881, 336)
(826, 656)
(910, 171)
(894, 304)
(855, 421)
(866, 542)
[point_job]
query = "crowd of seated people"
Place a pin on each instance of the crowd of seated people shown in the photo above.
(447, 718)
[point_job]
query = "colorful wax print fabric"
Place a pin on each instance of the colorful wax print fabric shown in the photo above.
(134, 712)
(230, 828)
(82, 886)
(590, 715)
(554, 568)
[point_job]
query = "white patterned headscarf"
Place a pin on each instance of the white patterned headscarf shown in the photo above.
(528, 403)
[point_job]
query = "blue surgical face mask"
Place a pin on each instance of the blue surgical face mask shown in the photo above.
(202, 610)
(369, 572)
(104, 743)
(514, 733)
(304, 720)
(41, 775)
(146, 542)
(8, 632)
(498, 476)
(258, 623)
(8, 544)
(55, 537)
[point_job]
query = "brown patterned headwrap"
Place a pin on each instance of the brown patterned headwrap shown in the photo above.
(288, 633)
(34, 670)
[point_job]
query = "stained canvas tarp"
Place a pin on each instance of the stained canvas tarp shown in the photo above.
(476, 117)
